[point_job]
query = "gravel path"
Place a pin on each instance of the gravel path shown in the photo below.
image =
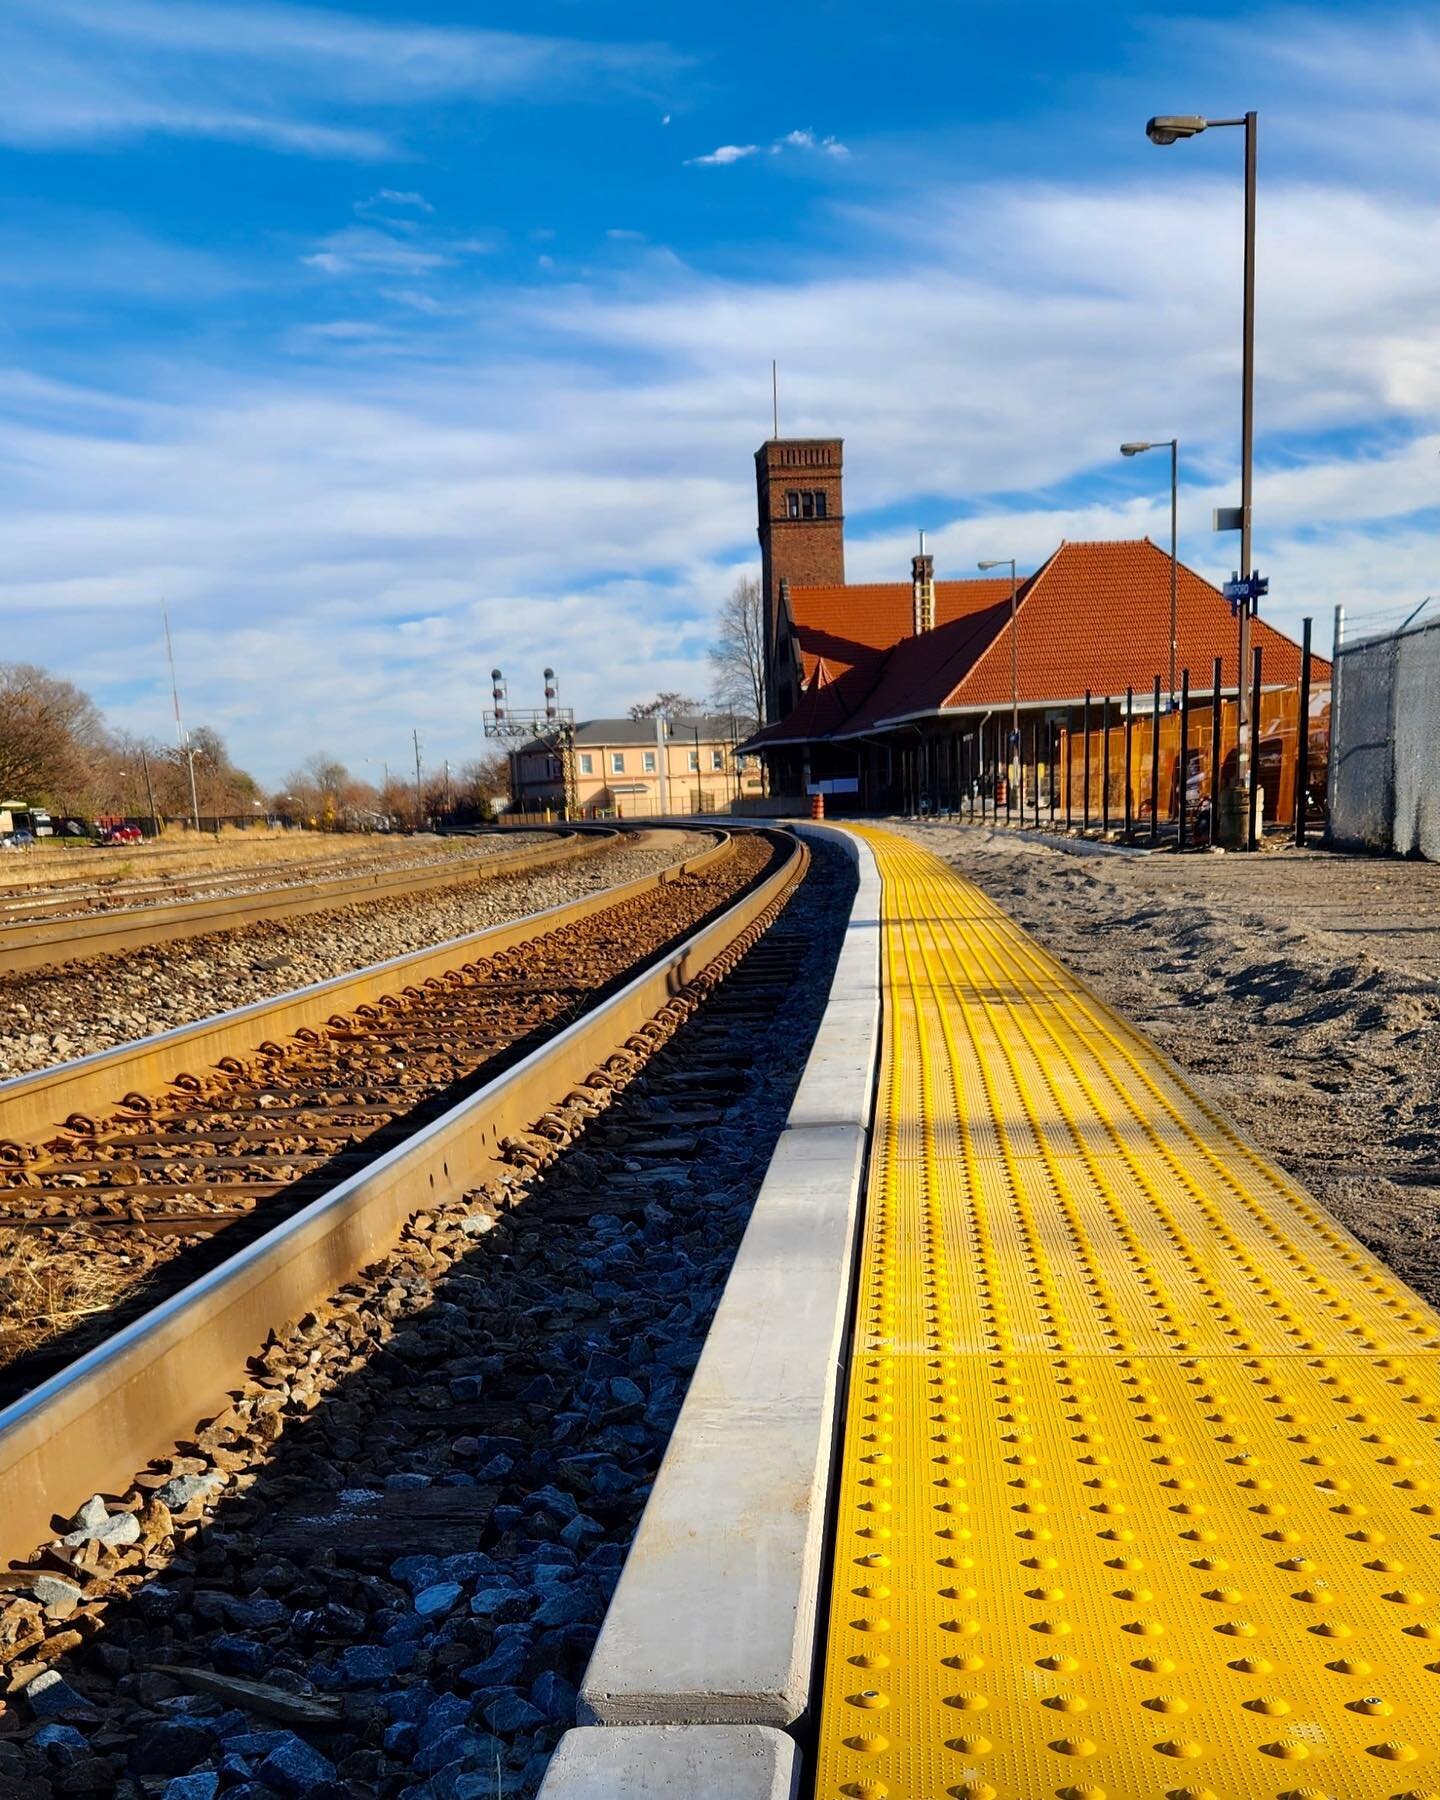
(55, 1014)
(1297, 990)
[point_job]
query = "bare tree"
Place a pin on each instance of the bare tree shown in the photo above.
(737, 657)
(671, 704)
(51, 737)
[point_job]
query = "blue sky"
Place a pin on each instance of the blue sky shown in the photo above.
(390, 342)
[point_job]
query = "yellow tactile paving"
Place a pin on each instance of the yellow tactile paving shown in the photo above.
(1140, 1494)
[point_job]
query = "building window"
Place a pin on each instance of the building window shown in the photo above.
(693, 757)
(617, 762)
(717, 760)
(807, 503)
(587, 763)
(648, 761)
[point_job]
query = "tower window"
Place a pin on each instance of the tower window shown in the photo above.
(792, 504)
(806, 503)
(819, 503)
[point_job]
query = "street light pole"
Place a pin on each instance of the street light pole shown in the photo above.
(1168, 130)
(999, 562)
(1174, 447)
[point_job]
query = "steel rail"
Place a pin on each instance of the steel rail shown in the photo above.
(90, 1427)
(41, 1101)
(36, 943)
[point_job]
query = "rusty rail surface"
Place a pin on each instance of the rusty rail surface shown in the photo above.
(90, 1427)
(35, 943)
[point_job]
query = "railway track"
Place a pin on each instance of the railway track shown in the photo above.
(103, 921)
(126, 1168)
(440, 1392)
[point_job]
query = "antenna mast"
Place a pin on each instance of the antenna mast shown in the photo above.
(775, 396)
(181, 738)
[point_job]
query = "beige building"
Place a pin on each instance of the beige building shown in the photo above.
(637, 769)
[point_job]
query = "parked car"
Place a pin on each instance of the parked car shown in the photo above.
(17, 840)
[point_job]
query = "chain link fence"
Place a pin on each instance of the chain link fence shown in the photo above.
(1385, 747)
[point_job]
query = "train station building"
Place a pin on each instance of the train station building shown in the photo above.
(897, 694)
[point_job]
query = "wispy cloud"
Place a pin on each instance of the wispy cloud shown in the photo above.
(724, 156)
(807, 140)
(361, 247)
(84, 71)
(804, 141)
(391, 200)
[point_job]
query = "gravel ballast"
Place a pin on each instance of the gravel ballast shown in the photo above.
(382, 1571)
(56, 1014)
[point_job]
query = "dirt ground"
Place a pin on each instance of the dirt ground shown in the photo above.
(1300, 990)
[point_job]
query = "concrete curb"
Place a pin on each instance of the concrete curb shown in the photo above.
(658, 1762)
(713, 1621)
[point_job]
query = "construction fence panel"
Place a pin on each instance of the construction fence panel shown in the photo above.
(1416, 829)
(1362, 767)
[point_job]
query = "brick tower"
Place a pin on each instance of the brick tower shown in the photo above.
(802, 535)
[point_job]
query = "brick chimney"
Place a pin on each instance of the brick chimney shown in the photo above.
(922, 582)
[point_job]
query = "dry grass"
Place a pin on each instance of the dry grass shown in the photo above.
(180, 852)
(45, 1291)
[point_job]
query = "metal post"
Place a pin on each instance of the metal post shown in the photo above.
(1085, 816)
(1010, 747)
(1174, 559)
(1155, 765)
(1051, 735)
(1069, 771)
(150, 791)
(1105, 768)
(1251, 838)
(1302, 739)
(1015, 676)
(1216, 743)
(1184, 773)
(1244, 769)
(1129, 745)
(1035, 766)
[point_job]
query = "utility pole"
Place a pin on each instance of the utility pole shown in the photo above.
(419, 795)
(149, 790)
(181, 739)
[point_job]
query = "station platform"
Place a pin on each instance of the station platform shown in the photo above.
(1139, 1495)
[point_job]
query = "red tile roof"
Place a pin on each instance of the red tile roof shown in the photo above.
(1096, 615)
(846, 626)
(849, 636)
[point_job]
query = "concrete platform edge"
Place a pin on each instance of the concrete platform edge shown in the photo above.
(713, 1620)
(657, 1762)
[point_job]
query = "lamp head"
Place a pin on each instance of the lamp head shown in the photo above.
(1169, 126)
(1134, 449)
(998, 562)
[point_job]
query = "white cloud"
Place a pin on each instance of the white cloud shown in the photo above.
(793, 140)
(360, 247)
(562, 474)
(386, 199)
(283, 76)
(807, 140)
(724, 156)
